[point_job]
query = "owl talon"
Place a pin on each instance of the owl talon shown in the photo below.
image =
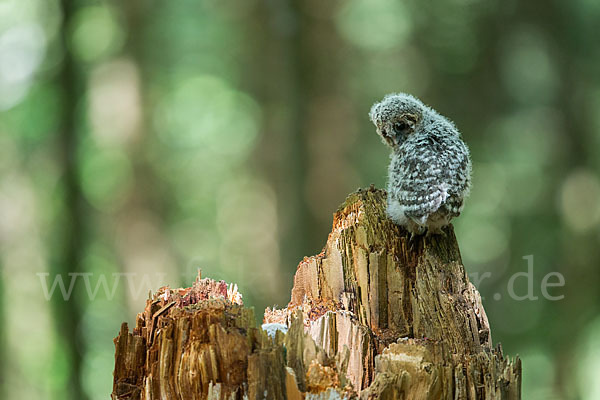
(412, 241)
(415, 234)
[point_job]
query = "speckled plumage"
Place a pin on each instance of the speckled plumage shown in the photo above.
(429, 175)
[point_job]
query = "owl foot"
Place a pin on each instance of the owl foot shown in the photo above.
(435, 231)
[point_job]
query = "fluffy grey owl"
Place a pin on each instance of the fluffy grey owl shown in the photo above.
(430, 170)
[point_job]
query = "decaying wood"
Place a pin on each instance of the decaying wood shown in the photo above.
(374, 316)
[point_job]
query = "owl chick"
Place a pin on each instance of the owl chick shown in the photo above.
(429, 175)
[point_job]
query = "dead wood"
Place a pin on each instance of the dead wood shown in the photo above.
(374, 316)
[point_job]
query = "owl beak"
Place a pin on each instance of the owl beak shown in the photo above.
(387, 137)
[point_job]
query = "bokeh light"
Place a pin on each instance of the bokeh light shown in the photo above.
(95, 33)
(580, 200)
(528, 71)
(22, 50)
(588, 365)
(378, 24)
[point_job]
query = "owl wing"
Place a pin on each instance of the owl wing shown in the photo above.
(433, 175)
(459, 168)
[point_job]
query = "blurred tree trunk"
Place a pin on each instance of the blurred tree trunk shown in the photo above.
(147, 200)
(276, 79)
(67, 312)
(374, 316)
(293, 70)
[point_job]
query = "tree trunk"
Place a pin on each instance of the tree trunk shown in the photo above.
(70, 226)
(374, 316)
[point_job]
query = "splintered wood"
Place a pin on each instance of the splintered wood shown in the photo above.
(373, 316)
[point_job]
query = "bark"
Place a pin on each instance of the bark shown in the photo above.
(72, 216)
(374, 316)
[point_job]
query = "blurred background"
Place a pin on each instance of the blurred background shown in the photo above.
(141, 140)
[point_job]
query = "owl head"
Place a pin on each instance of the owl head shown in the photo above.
(396, 117)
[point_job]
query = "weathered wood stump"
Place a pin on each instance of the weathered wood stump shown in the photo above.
(374, 316)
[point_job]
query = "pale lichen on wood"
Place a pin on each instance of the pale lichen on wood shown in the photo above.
(374, 315)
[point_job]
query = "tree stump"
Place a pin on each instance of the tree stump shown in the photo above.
(375, 315)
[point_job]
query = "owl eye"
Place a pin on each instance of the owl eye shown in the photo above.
(401, 126)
